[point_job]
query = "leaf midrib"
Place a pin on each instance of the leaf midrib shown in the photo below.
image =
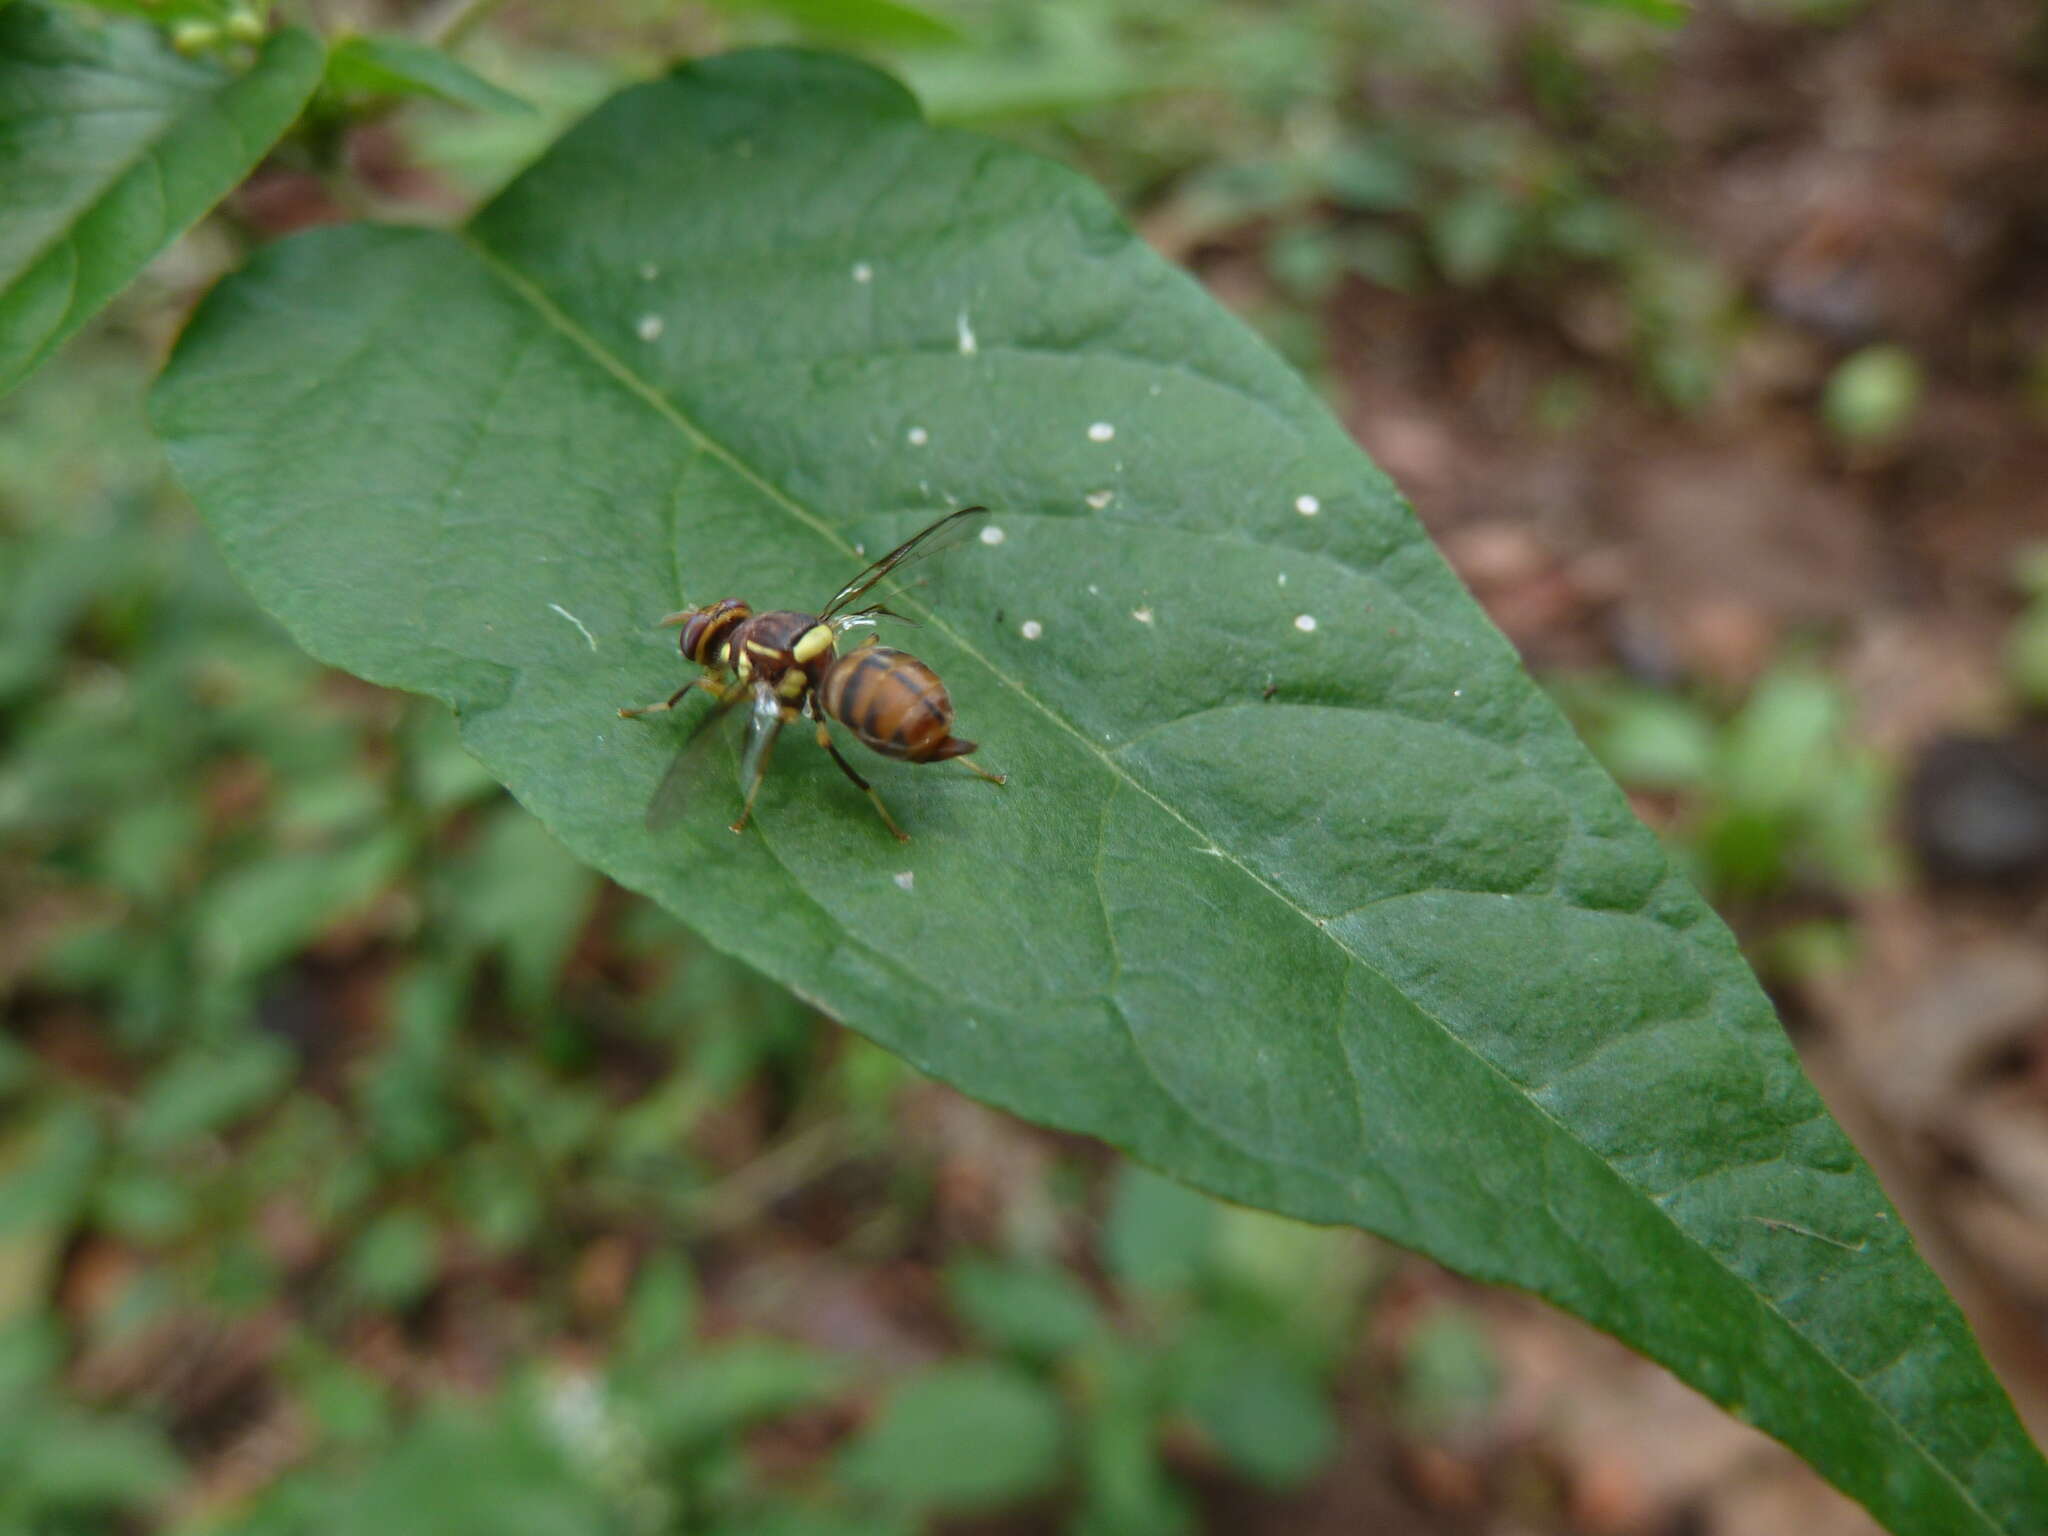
(586, 342)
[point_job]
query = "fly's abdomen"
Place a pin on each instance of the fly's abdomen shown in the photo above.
(894, 703)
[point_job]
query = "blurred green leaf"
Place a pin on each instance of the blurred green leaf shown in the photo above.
(347, 1402)
(714, 1392)
(498, 1198)
(31, 1354)
(1307, 1281)
(1666, 13)
(1159, 1232)
(799, 1521)
(82, 1462)
(29, 1262)
(144, 1205)
(111, 145)
(1473, 235)
(661, 1313)
(519, 893)
(1449, 1371)
(1372, 175)
(443, 774)
(17, 1069)
(46, 1167)
(382, 64)
(1785, 741)
(1655, 741)
(407, 1093)
(1125, 1486)
(395, 1259)
(267, 911)
(1306, 261)
(961, 1437)
(1268, 1417)
(1037, 1311)
(145, 847)
(881, 22)
(2026, 645)
(490, 1470)
(60, 1465)
(207, 1088)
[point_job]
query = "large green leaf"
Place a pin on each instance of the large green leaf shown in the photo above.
(111, 145)
(1382, 948)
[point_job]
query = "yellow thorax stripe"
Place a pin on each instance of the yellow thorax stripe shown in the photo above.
(812, 643)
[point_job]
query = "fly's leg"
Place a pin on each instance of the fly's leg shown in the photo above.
(760, 755)
(704, 681)
(825, 741)
(983, 773)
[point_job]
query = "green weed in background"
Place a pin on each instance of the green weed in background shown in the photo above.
(2026, 652)
(1772, 796)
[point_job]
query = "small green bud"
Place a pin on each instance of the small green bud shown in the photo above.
(1873, 394)
(193, 35)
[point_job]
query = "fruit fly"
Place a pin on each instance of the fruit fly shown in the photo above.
(787, 665)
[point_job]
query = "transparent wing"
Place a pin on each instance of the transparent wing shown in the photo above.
(765, 725)
(865, 618)
(696, 762)
(949, 532)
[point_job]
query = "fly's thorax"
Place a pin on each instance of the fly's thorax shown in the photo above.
(790, 650)
(892, 701)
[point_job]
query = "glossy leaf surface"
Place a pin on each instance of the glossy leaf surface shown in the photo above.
(112, 145)
(1300, 890)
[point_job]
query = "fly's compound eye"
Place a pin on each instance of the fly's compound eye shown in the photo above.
(704, 628)
(693, 633)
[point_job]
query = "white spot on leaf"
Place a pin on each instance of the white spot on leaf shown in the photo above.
(1307, 506)
(863, 273)
(1142, 615)
(1100, 499)
(1031, 629)
(968, 345)
(649, 328)
(1101, 432)
(649, 271)
(918, 437)
(904, 879)
(1305, 622)
(992, 535)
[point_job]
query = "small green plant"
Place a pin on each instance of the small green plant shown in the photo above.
(63, 1467)
(1772, 796)
(1872, 394)
(2026, 646)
